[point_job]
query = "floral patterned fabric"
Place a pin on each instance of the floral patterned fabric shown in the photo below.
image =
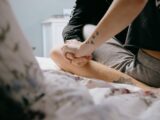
(20, 75)
(24, 93)
(101, 100)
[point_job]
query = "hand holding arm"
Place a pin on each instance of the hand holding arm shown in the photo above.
(69, 49)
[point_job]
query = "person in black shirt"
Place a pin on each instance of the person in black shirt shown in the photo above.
(88, 12)
(134, 60)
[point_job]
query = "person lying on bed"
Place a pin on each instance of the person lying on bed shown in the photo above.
(136, 62)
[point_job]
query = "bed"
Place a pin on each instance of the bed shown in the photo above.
(27, 94)
(93, 99)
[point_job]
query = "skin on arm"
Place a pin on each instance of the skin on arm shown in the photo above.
(80, 61)
(94, 69)
(120, 14)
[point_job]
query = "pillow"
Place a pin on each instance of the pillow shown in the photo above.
(20, 75)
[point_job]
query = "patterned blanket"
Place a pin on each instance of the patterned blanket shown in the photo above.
(71, 97)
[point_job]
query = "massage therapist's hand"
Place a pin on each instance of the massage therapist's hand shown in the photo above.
(69, 49)
(78, 49)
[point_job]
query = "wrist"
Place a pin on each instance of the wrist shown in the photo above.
(86, 49)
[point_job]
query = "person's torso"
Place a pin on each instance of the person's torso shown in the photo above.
(144, 32)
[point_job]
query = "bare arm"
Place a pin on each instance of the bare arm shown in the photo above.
(120, 15)
(82, 14)
(96, 70)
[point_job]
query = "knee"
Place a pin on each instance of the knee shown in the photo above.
(58, 57)
(55, 54)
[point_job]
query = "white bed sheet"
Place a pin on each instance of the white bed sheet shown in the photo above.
(46, 63)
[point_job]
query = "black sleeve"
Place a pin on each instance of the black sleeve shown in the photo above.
(86, 12)
(82, 14)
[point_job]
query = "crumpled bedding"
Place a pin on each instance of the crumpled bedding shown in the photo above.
(71, 97)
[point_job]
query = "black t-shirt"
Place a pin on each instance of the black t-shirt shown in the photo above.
(144, 32)
(88, 12)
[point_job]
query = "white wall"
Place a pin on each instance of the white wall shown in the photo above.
(30, 14)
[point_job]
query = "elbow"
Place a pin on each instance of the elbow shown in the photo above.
(58, 57)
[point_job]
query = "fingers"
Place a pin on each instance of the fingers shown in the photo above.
(69, 57)
(72, 57)
(78, 61)
(69, 50)
(89, 57)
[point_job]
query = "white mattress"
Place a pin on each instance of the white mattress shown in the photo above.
(46, 63)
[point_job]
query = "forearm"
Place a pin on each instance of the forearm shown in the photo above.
(119, 16)
(96, 70)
